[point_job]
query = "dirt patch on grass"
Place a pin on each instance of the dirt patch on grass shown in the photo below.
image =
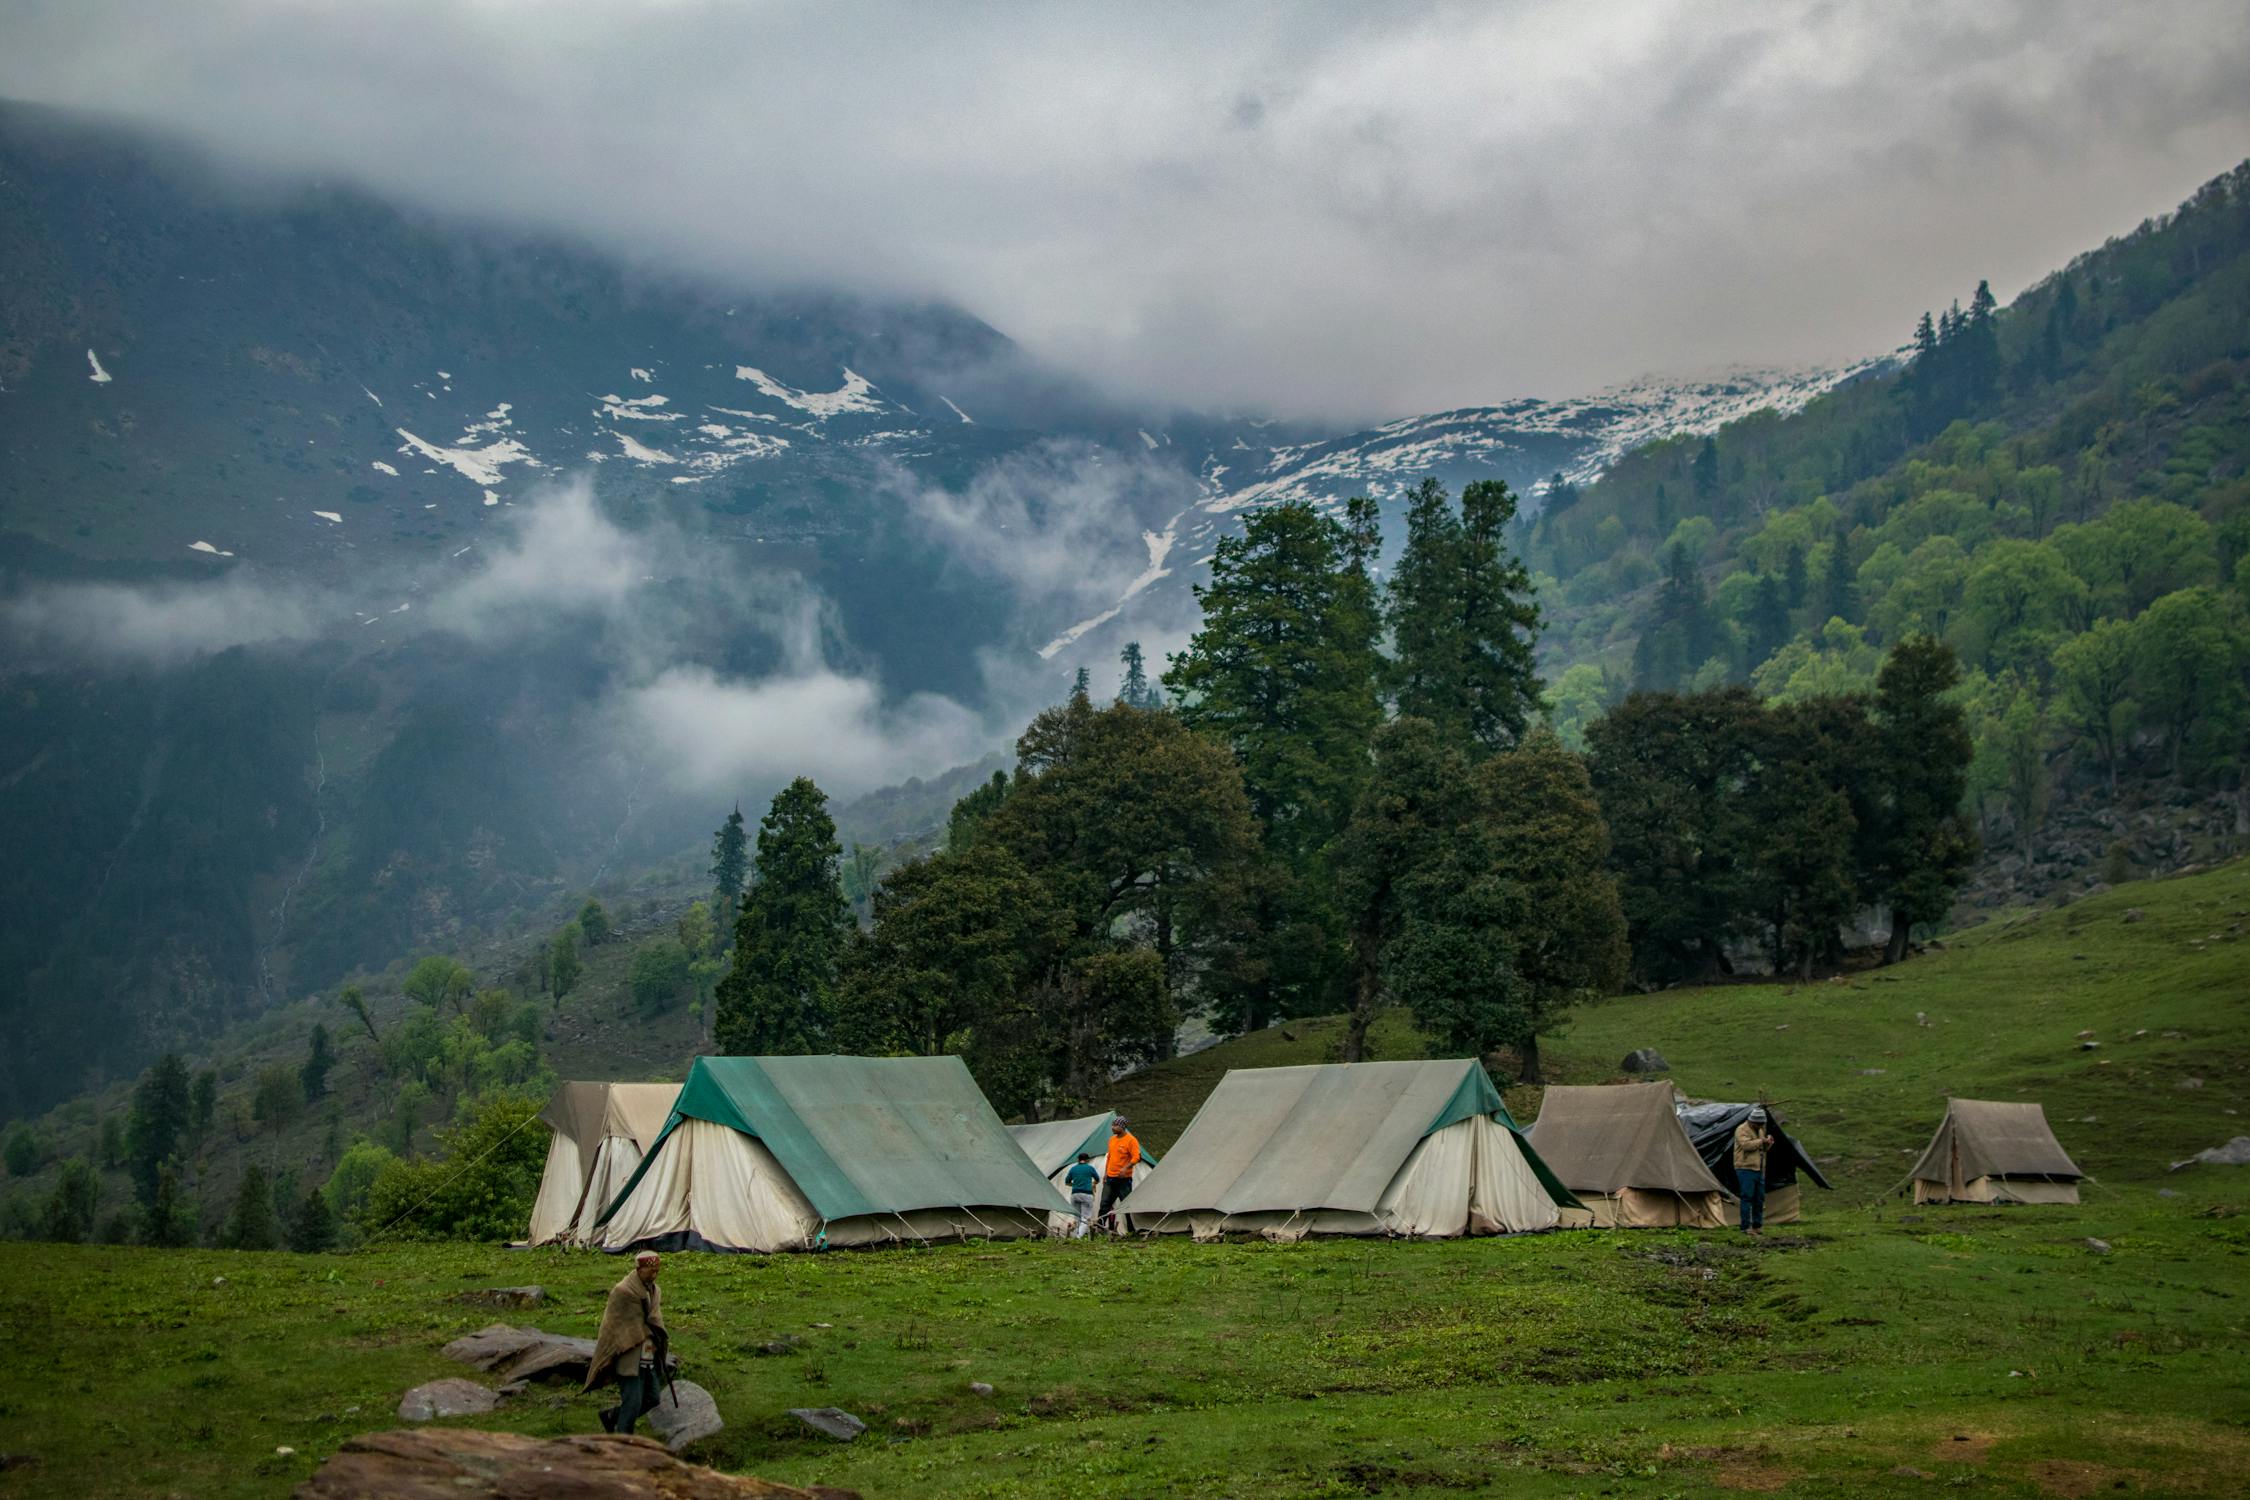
(1753, 1475)
(1963, 1447)
(2073, 1479)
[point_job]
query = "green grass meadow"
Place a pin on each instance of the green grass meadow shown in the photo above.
(1875, 1349)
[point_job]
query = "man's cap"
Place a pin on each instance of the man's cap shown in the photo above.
(646, 1255)
(1757, 1111)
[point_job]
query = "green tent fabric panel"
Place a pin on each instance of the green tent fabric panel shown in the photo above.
(1096, 1143)
(893, 1134)
(1477, 1096)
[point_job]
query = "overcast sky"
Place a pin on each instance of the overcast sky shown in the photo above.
(1358, 211)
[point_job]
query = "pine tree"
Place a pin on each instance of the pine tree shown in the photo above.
(251, 1226)
(159, 1121)
(779, 998)
(1134, 690)
(203, 1108)
(1921, 846)
(1705, 474)
(1415, 798)
(1839, 587)
(1795, 583)
(1499, 623)
(75, 1204)
(1421, 608)
(1545, 839)
(313, 1228)
(563, 964)
(167, 1217)
(730, 867)
(1079, 684)
(1769, 619)
(1283, 670)
(313, 1077)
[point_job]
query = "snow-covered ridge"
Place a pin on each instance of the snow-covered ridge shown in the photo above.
(1576, 437)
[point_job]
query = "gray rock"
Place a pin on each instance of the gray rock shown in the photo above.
(505, 1296)
(2099, 1247)
(694, 1418)
(522, 1353)
(1873, 1072)
(2235, 1153)
(1645, 1060)
(2089, 1046)
(979, 1388)
(830, 1421)
(2135, 914)
(2189, 1083)
(450, 1397)
(2166, 1193)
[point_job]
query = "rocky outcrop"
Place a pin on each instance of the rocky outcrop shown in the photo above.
(523, 1353)
(465, 1464)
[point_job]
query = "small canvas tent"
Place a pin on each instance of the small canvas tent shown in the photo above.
(600, 1131)
(793, 1153)
(1711, 1127)
(1990, 1152)
(1053, 1145)
(1402, 1148)
(1622, 1150)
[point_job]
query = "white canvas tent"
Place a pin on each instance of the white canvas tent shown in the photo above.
(1624, 1153)
(1394, 1148)
(600, 1131)
(1986, 1151)
(799, 1153)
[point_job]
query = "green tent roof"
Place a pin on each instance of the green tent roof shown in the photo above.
(865, 1135)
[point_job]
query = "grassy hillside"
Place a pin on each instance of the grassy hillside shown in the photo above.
(1862, 1064)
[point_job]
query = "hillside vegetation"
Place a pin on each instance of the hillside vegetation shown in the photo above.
(1869, 1351)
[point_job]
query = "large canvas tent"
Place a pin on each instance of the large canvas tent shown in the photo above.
(1711, 1128)
(1986, 1151)
(793, 1153)
(1624, 1153)
(1398, 1148)
(600, 1131)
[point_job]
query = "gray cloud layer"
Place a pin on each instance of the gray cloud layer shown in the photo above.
(1343, 210)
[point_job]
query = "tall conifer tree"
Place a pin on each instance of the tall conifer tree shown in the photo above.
(779, 996)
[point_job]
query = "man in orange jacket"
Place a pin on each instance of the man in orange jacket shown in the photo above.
(1117, 1175)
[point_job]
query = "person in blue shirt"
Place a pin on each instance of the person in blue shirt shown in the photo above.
(1081, 1180)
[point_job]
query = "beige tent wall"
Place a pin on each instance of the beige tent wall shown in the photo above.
(922, 1225)
(561, 1187)
(1998, 1190)
(1650, 1208)
(714, 1181)
(614, 1161)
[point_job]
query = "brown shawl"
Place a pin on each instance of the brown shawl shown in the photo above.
(633, 1308)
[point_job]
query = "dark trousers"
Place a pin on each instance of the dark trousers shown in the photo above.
(1753, 1197)
(636, 1396)
(1116, 1190)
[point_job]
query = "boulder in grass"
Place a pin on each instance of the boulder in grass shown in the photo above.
(689, 1419)
(450, 1397)
(830, 1421)
(505, 1296)
(1645, 1060)
(523, 1353)
(465, 1464)
(2235, 1153)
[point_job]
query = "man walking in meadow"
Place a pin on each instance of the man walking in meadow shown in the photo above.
(1751, 1143)
(1080, 1179)
(1117, 1173)
(630, 1346)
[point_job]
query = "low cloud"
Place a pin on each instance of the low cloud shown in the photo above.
(717, 733)
(563, 556)
(144, 624)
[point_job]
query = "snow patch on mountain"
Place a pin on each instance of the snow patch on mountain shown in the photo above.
(856, 394)
(638, 409)
(481, 466)
(964, 416)
(100, 375)
(382, 468)
(1159, 544)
